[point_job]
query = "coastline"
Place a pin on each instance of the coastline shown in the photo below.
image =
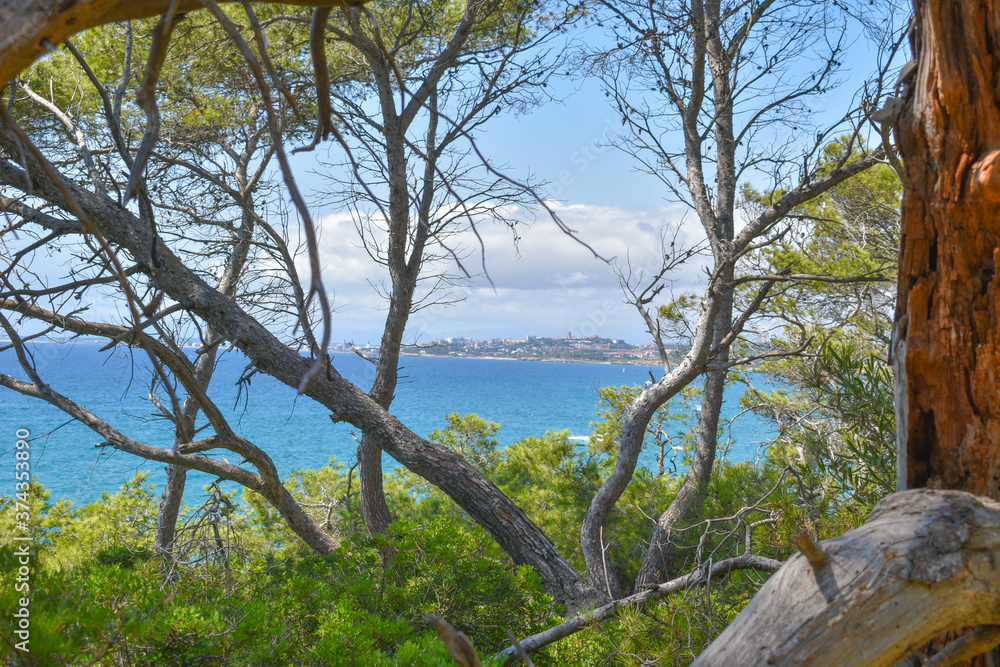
(562, 360)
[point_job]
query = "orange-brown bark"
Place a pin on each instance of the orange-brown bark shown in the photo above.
(947, 313)
(31, 28)
(949, 136)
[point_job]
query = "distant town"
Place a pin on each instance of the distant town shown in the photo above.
(532, 348)
(592, 349)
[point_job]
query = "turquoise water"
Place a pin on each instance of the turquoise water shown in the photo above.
(525, 398)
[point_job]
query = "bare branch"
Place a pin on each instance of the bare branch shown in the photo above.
(699, 576)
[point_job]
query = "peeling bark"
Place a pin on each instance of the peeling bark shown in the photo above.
(923, 569)
(947, 313)
(947, 351)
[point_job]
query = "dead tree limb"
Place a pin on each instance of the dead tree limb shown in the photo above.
(702, 575)
(924, 564)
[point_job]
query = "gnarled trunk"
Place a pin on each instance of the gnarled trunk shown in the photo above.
(946, 315)
(925, 564)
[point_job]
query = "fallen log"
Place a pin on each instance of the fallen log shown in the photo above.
(926, 562)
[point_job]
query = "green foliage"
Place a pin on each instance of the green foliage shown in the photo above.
(256, 596)
(260, 598)
(834, 406)
(851, 235)
(843, 453)
(63, 536)
(858, 388)
(270, 605)
(551, 478)
(679, 309)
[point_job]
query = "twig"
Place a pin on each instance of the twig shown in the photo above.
(521, 653)
(812, 551)
(146, 97)
(699, 576)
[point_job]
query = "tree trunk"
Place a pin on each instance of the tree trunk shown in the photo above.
(947, 337)
(658, 564)
(374, 510)
(924, 564)
(169, 509)
(516, 534)
(173, 491)
(947, 313)
(634, 423)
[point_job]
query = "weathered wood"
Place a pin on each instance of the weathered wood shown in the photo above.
(32, 28)
(924, 564)
(947, 350)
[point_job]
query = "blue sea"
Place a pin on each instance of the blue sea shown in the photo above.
(524, 397)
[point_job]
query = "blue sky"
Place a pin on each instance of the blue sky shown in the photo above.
(551, 284)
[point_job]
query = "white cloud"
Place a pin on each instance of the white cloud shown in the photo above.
(548, 284)
(342, 255)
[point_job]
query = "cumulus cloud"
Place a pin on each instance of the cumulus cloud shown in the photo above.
(548, 283)
(546, 257)
(342, 254)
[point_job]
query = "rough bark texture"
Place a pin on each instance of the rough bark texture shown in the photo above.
(949, 135)
(947, 348)
(924, 564)
(32, 28)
